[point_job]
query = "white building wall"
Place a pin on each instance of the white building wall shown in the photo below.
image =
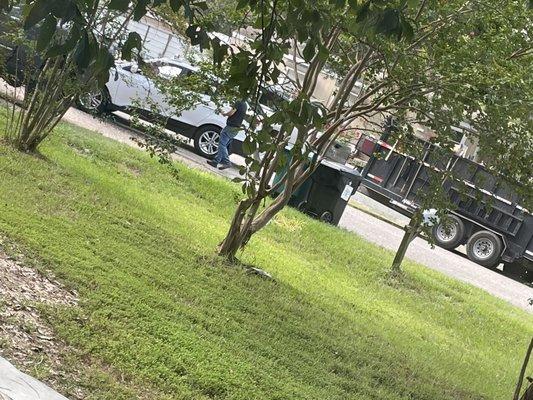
(158, 40)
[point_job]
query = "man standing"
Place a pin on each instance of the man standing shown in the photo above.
(233, 125)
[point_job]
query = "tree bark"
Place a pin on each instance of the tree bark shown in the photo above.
(233, 240)
(523, 371)
(411, 232)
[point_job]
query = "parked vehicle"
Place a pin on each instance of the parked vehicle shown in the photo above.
(133, 89)
(488, 215)
(16, 58)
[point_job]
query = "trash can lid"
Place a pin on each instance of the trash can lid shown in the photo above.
(345, 169)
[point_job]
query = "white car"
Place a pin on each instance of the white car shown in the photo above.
(132, 89)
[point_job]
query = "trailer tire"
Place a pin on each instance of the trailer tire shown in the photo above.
(327, 217)
(302, 206)
(484, 248)
(451, 234)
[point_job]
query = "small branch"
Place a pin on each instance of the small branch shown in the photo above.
(295, 63)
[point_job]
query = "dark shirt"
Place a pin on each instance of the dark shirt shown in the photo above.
(240, 112)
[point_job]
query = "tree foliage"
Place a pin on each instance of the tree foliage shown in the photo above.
(425, 62)
(76, 44)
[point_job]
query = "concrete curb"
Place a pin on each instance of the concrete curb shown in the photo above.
(15, 385)
(366, 210)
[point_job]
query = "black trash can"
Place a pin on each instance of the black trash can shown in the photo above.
(327, 191)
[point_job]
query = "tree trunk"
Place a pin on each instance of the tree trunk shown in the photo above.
(233, 240)
(528, 395)
(246, 222)
(411, 232)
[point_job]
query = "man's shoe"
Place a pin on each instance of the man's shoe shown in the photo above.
(224, 166)
(213, 163)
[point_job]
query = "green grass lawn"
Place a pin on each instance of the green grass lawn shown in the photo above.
(161, 317)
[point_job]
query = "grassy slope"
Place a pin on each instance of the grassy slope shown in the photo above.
(163, 312)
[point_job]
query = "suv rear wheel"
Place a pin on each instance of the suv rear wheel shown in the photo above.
(95, 102)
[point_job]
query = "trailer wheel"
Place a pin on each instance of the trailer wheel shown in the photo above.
(484, 248)
(327, 217)
(450, 233)
(302, 206)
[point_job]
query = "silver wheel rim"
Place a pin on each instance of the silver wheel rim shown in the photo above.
(92, 101)
(326, 217)
(208, 142)
(447, 233)
(483, 248)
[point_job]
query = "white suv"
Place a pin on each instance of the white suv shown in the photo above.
(132, 89)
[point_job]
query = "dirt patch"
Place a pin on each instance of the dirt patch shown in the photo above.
(26, 339)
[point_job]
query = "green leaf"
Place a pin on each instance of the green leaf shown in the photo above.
(323, 53)
(249, 146)
(67, 10)
(176, 5)
(198, 36)
(201, 5)
(38, 11)
(219, 51)
(407, 31)
(309, 50)
(134, 41)
(119, 5)
(389, 23)
(338, 3)
(363, 12)
(68, 45)
(5, 5)
(140, 9)
(102, 78)
(82, 55)
(46, 33)
(104, 59)
(243, 3)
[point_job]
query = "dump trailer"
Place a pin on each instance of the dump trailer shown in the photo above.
(487, 214)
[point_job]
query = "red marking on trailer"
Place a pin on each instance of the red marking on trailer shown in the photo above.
(384, 144)
(375, 178)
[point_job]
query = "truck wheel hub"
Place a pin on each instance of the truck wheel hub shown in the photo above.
(483, 248)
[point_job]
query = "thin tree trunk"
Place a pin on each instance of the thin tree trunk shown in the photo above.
(411, 232)
(233, 240)
(523, 371)
(246, 222)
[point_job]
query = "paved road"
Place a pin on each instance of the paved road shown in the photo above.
(447, 262)
(371, 228)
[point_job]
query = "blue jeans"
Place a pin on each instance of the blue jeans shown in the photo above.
(226, 137)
